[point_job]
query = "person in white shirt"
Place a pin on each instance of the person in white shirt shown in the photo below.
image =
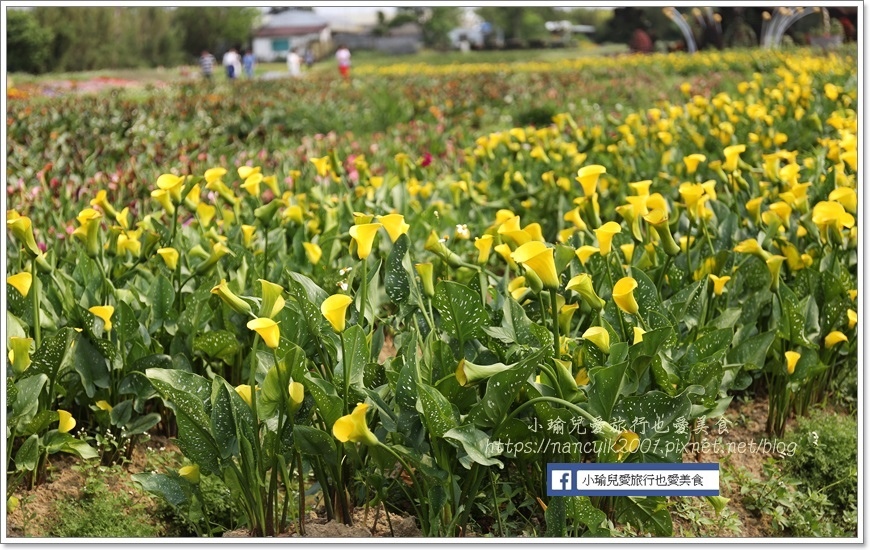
(294, 63)
(343, 58)
(232, 63)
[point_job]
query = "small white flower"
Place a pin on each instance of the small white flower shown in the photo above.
(342, 285)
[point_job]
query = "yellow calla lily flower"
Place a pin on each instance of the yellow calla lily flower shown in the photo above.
(582, 284)
(484, 248)
(297, 395)
(104, 313)
(791, 360)
(853, 318)
(585, 252)
(364, 236)
(605, 234)
(273, 302)
(598, 336)
(322, 165)
(719, 283)
(538, 257)
(732, 157)
(65, 421)
(638, 334)
(395, 225)
(834, 338)
(334, 310)
(692, 161)
(172, 185)
(190, 473)
(19, 353)
(623, 295)
(353, 427)
(22, 230)
(246, 172)
(312, 252)
(588, 178)
(21, 282)
(244, 391)
(214, 174)
(267, 329)
(170, 257)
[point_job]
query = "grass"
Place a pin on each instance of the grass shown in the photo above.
(361, 58)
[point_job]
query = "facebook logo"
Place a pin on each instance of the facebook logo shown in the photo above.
(560, 480)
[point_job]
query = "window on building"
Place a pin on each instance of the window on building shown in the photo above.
(280, 45)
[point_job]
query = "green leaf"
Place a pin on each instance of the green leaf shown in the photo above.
(329, 404)
(650, 514)
(309, 297)
(437, 413)
(751, 352)
(92, 366)
(127, 324)
(462, 314)
(396, 281)
(217, 344)
(475, 443)
(26, 405)
(162, 298)
(711, 345)
(142, 424)
(659, 413)
(502, 389)
(556, 517)
(172, 488)
(356, 348)
(581, 510)
(223, 421)
(28, 454)
(194, 438)
(606, 384)
(313, 442)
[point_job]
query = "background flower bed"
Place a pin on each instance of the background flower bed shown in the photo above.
(431, 157)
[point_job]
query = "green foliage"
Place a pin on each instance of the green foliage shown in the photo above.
(826, 456)
(223, 514)
(102, 513)
(28, 45)
(89, 38)
(215, 28)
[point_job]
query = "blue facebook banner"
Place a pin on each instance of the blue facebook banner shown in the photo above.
(694, 479)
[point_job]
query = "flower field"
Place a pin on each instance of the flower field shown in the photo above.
(410, 294)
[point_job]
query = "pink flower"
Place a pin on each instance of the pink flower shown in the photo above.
(427, 159)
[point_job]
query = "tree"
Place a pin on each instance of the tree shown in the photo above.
(436, 22)
(215, 28)
(28, 45)
(521, 25)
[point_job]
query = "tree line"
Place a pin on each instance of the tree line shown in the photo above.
(59, 39)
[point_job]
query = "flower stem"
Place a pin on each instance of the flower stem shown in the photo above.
(555, 310)
(34, 292)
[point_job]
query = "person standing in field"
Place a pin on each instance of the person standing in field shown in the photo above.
(206, 63)
(343, 58)
(294, 63)
(248, 61)
(232, 64)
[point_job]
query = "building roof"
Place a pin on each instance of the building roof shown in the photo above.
(292, 23)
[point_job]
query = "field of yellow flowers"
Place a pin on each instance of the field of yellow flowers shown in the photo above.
(410, 294)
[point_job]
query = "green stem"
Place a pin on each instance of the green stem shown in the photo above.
(345, 374)
(661, 277)
(34, 292)
(301, 494)
(364, 288)
(424, 520)
(495, 508)
(266, 253)
(555, 310)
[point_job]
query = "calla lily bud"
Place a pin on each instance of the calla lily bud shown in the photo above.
(638, 334)
(434, 245)
(272, 303)
(658, 218)
(190, 473)
(719, 283)
(582, 284)
(219, 250)
(170, 257)
(425, 271)
(470, 374)
(484, 247)
(774, 265)
(238, 305)
(22, 230)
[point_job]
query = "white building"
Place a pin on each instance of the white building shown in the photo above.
(292, 29)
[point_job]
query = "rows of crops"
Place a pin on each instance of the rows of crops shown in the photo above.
(399, 297)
